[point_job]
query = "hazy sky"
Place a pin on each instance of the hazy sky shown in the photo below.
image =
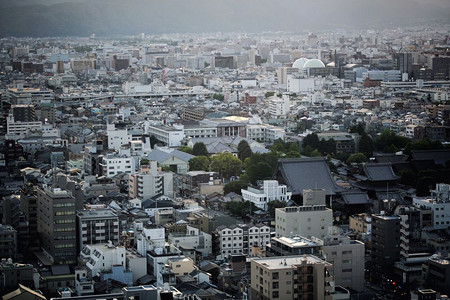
(82, 17)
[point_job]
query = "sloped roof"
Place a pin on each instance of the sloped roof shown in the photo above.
(355, 197)
(161, 156)
(380, 172)
(306, 173)
(440, 157)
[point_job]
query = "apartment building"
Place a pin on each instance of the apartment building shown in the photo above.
(97, 226)
(290, 277)
(270, 191)
(57, 224)
(308, 221)
(150, 181)
(239, 239)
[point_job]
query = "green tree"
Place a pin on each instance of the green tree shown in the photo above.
(423, 144)
(311, 140)
(226, 164)
(244, 150)
(269, 94)
(235, 186)
(292, 154)
(259, 171)
(357, 158)
(144, 161)
(185, 149)
(199, 149)
(387, 139)
(275, 204)
(315, 153)
(219, 97)
(327, 146)
(366, 145)
(199, 163)
(241, 208)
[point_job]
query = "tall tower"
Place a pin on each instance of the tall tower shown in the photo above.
(56, 224)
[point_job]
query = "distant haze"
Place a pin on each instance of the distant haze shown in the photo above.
(130, 17)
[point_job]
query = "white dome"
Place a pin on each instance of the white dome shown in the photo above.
(299, 63)
(314, 63)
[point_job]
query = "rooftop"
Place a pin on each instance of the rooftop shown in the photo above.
(288, 262)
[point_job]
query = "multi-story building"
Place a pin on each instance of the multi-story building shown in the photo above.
(192, 238)
(361, 224)
(436, 273)
(279, 107)
(111, 164)
(97, 226)
(385, 243)
(239, 239)
(8, 241)
(296, 245)
(150, 181)
(169, 135)
(29, 206)
(149, 238)
(413, 252)
(13, 274)
(17, 130)
(23, 112)
(57, 224)
(23, 95)
(347, 258)
(290, 277)
(101, 257)
(308, 221)
(439, 204)
(270, 191)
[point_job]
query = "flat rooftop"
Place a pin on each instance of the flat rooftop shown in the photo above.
(287, 262)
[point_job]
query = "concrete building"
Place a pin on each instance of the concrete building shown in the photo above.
(18, 130)
(347, 258)
(111, 164)
(97, 226)
(239, 239)
(385, 243)
(149, 238)
(270, 191)
(192, 238)
(57, 224)
(8, 241)
(437, 273)
(439, 204)
(290, 277)
(279, 107)
(150, 181)
(296, 245)
(171, 136)
(308, 221)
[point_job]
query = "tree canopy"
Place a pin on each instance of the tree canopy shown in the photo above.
(185, 149)
(199, 149)
(244, 150)
(235, 186)
(357, 158)
(226, 164)
(199, 163)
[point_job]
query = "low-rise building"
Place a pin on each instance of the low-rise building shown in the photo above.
(270, 191)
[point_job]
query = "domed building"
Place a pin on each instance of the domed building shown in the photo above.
(299, 63)
(313, 63)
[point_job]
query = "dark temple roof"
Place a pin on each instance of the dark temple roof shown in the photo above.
(306, 173)
(440, 157)
(380, 172)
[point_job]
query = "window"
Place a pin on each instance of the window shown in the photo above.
(275, 275)
(275, 294)
(275, 285)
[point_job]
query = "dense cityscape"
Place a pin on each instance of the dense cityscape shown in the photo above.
(271, 165)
